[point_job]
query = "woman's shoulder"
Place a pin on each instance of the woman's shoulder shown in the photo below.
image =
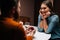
(55, 16)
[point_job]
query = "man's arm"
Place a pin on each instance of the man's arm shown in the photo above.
(25, 37)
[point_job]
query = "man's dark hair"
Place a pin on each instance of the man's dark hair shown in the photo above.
(6, 6)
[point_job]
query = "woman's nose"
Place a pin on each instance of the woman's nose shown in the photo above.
(42, 10)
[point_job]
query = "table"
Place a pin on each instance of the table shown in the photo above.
(40, 35)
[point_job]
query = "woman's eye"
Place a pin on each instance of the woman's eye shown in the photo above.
(43, 8)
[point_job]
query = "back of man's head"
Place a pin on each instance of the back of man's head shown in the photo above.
(6, 6)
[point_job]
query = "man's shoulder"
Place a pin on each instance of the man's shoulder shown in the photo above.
(14, 23)
(10, 23)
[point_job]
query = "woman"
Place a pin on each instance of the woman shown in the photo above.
(9, 28)
(48, 21)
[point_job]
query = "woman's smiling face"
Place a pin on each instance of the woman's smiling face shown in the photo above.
(44, 10)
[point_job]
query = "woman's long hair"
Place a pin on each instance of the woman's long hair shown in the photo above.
(50, 6)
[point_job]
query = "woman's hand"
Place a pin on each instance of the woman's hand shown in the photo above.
(41, 24)
(45, 15)
(45, 27)
(30, 30)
